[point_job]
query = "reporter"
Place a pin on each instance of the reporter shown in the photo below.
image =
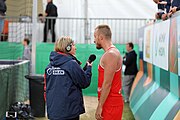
(65, 80)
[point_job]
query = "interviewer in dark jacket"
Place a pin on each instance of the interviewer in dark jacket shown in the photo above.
(129, 60)
(64, 80)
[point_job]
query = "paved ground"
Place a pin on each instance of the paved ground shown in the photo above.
(90, 106)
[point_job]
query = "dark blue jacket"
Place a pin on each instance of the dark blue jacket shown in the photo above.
(51, 10)
(167, 6)
(3, 7)
(64, 81)
(176, 3)
(130, 61)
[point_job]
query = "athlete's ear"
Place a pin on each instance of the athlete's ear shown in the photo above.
(101, 37)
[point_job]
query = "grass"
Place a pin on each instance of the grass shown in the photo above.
(90, 106)
(127, 114)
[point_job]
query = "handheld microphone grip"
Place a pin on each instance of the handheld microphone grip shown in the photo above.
(92, 57)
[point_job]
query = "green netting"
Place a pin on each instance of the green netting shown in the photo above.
(14, 86)
(3, 93)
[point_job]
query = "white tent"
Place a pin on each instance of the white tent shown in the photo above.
(105, 8)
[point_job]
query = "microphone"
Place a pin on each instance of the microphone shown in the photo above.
(92, 57)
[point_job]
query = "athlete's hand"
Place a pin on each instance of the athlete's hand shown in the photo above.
(98, 115)
(173, 10)
(89, 64)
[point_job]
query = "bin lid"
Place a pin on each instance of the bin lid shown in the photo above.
(35, 77)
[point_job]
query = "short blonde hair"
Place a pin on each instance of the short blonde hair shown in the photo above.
(62, 43)
(105, 30)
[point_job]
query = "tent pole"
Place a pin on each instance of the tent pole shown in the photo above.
(87, 34)
(34, 36)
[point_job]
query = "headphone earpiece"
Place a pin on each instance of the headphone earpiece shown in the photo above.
(68, 48)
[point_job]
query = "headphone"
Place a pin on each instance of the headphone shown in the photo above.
(68, 47)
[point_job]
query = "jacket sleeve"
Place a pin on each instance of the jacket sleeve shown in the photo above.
(47, 9)
(80, 77)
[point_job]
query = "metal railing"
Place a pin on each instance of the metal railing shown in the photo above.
(123, 30)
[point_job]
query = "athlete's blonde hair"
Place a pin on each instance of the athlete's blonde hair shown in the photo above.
(62, 43)
(104, 30)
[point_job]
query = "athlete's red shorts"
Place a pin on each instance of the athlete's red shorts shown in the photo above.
(112, 112)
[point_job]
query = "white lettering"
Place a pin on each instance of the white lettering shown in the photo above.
(55, 71)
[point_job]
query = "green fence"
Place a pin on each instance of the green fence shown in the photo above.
(10, 51)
